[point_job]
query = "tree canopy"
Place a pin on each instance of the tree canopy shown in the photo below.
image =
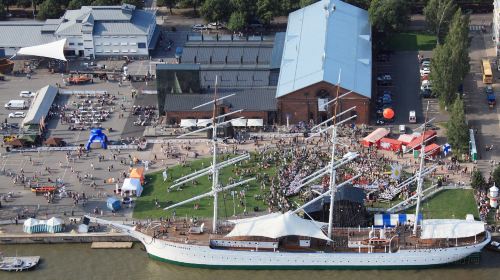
(389, 15)
(457, 130)
(215, 10)
(496, 176)
(49, 9)
(477, 180)
(438, 15)
(450, 61)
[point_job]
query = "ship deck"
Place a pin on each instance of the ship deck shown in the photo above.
(344, 239)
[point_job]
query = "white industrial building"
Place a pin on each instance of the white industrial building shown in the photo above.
(91, 31)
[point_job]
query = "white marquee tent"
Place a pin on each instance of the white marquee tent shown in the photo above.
(52, 50)
(132, 184)
(276, 226)
(450, 228)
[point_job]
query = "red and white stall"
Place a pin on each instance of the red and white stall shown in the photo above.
(374, 137)
(429, 137)
(432, 150)
(389, 144)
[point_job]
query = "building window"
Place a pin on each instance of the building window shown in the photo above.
(71, 44)
(141, 45)
(80, 44)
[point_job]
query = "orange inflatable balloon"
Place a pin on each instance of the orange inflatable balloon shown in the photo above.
(388, 113)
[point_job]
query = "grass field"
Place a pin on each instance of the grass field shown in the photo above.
(156, 188)
(449, 204)
(412, 41)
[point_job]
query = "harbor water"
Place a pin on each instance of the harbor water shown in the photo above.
(79, 261)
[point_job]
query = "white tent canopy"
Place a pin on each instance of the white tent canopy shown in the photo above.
(450, 228)
(54, 221)
(276, 226)
(52, 50)
(132, 184)
(239, 122)
(203, 122)
(255, 122)
(188, 122)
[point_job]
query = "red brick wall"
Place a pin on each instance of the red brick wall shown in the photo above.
(302, 105)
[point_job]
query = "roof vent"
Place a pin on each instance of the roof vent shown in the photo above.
(334, 8)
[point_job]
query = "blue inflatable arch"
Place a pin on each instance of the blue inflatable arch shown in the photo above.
(96, 135)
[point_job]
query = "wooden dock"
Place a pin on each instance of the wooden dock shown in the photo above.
(111, 245)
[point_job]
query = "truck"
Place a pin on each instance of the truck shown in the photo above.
(491, 99)
(17, 104)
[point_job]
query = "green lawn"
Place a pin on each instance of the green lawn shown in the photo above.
(449, 204)
(156, 188)
(412, 41)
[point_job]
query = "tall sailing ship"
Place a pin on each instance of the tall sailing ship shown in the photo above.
(287, 241)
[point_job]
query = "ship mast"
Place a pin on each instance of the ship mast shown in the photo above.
(215, 167)
(215, 171)
(420, 179)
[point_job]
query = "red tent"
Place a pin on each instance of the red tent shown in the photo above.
(432, 150)
(406, 138)
(415, 144)
(374, 137)
(389, 144)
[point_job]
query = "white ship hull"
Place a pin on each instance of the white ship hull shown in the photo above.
(205, 257)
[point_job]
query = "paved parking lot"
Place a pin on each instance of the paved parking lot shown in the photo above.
(404, 69)
(33, 164)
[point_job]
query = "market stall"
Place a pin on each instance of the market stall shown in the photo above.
(133, 185)
(374, 137)
(389, 144)
(137, 173)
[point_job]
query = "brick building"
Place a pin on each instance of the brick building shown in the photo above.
(313, 63)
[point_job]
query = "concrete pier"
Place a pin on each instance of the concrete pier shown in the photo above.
(111, 245)
(47, 238)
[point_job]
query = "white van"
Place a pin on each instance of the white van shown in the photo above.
(17, 104)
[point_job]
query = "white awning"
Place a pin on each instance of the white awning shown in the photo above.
(203, 122)
(450, 228)
(41, 104)
(239, 122)
(52, 50)
(255, 122)
(188, 123)
(278, 225)
(132, 184)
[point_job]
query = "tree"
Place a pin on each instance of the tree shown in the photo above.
(215, 10)
(267, 10)
(496, 176)
(77, 4)
(102, 3)
(457, 130)
(389, 15)
(8, 3)
(190, 3)
(444, 83)
(23, 3)
(237, 21)
(438, 15)
(304, 3)
(458, 39)
(167, 3)
(363, 4)
(3, 12)
(477, 180)
(49, 9)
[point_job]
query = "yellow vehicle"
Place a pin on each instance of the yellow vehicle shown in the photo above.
(487, 74)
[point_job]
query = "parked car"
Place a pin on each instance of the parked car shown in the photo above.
(26, 94)
(198, 27)
(384, 80)
(426, 84)
(17, 115)
(426, 63)
(215, 25)
(425, 71)
(426, 93)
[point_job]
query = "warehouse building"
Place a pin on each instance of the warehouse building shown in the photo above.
(313, 63)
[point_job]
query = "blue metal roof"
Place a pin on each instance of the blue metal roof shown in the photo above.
(323, 39)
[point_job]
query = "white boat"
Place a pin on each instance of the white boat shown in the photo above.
(287, 241)
(18, 263)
